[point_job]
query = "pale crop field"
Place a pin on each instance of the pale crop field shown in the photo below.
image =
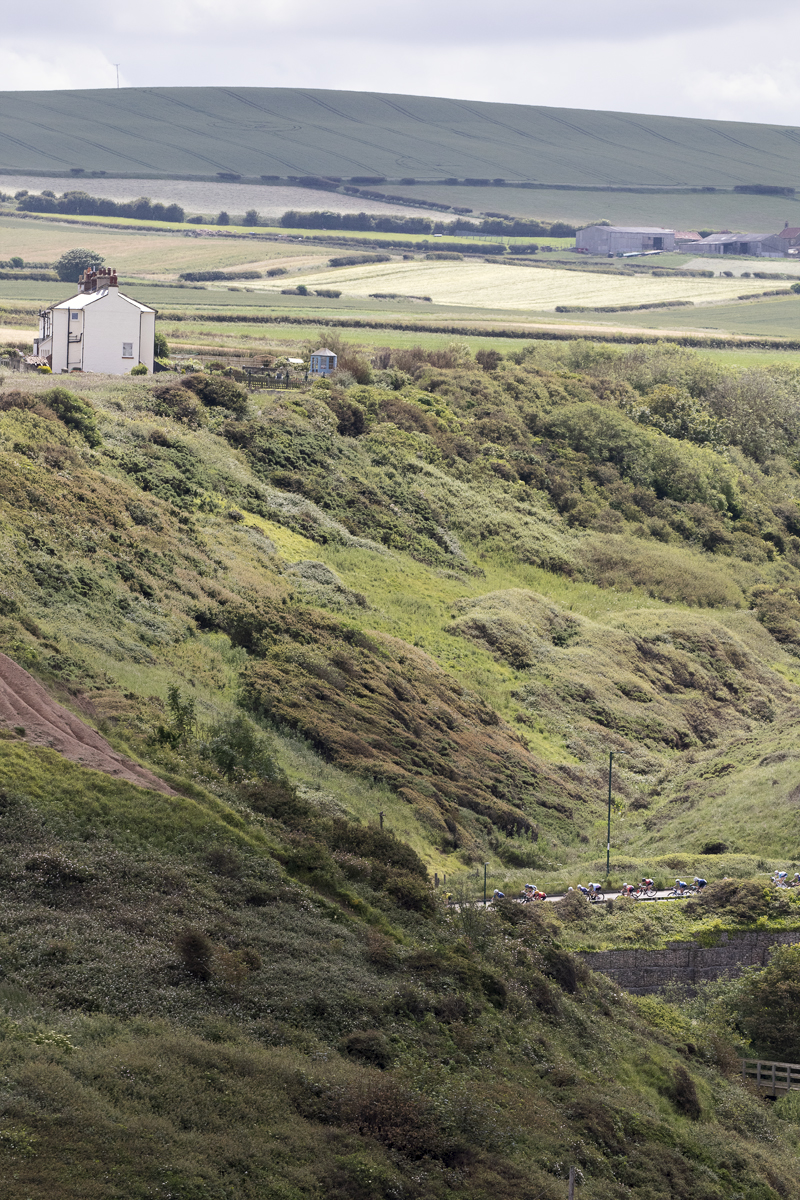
(157, 255)
(539, 289)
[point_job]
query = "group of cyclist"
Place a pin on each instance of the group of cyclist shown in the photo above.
(645, 890)
(781, 879)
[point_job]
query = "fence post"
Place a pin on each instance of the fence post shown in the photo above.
(571, 1193)
(380, 814)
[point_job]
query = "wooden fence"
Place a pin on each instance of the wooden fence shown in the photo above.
(256, 383)
(772, 1078)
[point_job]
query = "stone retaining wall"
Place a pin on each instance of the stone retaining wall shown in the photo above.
(688, 963)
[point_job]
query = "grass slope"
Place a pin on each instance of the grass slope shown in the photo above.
(375, 632)
(282, 131)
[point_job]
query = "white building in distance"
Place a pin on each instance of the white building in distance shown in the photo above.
(99, 330)
(624, 239)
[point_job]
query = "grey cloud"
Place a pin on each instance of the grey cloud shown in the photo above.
(239, 22)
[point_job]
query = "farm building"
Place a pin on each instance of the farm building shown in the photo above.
(623, 239)
(758, 245)
(322, 362)
(790, 239)
(99, 330)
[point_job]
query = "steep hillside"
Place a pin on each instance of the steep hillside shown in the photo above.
(284, 132)
(367, 634)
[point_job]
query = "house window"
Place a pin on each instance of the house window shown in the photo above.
(74, 316)
(127, 349)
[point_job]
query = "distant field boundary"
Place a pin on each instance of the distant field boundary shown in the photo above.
(734, 341)
(690, 340)
(273, 233)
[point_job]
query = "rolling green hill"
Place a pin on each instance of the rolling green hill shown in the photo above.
(373, 633)
(297, 132)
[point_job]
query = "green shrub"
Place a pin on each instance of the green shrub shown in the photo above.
(683, 1094)
(769, 1006)
(217, 392)
(197, 953)
(180, 403)
(369, 1046)
(139, 369)
(75, 412)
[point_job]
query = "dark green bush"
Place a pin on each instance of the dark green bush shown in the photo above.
(76, 413)
(217, 392)
(197, 953)
(370, 1046)
(683, 1094)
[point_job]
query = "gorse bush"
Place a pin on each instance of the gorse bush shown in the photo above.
(76, 413)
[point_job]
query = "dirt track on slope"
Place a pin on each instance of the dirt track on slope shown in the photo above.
(24, 703)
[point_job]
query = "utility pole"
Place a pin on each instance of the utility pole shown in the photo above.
(485, 865)
(608, 840)
(117, 66)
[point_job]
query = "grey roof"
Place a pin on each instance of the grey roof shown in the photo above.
(330, 353)
(631, 228)
(726, 238)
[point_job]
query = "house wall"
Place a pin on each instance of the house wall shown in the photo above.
(61, 323)
(110, 323)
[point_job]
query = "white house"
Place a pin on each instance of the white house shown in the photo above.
(99, 330)
(624, 239)
(322, 362)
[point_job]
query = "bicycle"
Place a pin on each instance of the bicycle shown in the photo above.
(678, 893)
(645, 893)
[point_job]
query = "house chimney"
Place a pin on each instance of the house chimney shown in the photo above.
(785, 224)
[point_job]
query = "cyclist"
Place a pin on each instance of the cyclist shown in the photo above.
(583, 889)
(779, 878)
(627, 889)
(595, 889)
(681, 887)
(498, 895)
(700, 883)
(529, 893)
(537, 895)
(646, 886)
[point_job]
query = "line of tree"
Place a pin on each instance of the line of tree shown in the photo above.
(82, 205)
(369, 222)
(362, 222)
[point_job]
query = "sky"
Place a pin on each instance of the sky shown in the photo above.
(725, 59)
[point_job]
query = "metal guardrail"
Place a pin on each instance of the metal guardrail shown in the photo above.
(771, 1077)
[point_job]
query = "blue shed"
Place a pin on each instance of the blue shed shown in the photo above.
(322, 362)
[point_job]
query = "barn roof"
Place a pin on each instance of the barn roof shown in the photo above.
(632, 228)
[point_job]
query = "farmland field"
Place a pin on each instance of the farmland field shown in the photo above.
(205, 196)
(142, 253)
(199, 132)
(521, 288)
(674, 209)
